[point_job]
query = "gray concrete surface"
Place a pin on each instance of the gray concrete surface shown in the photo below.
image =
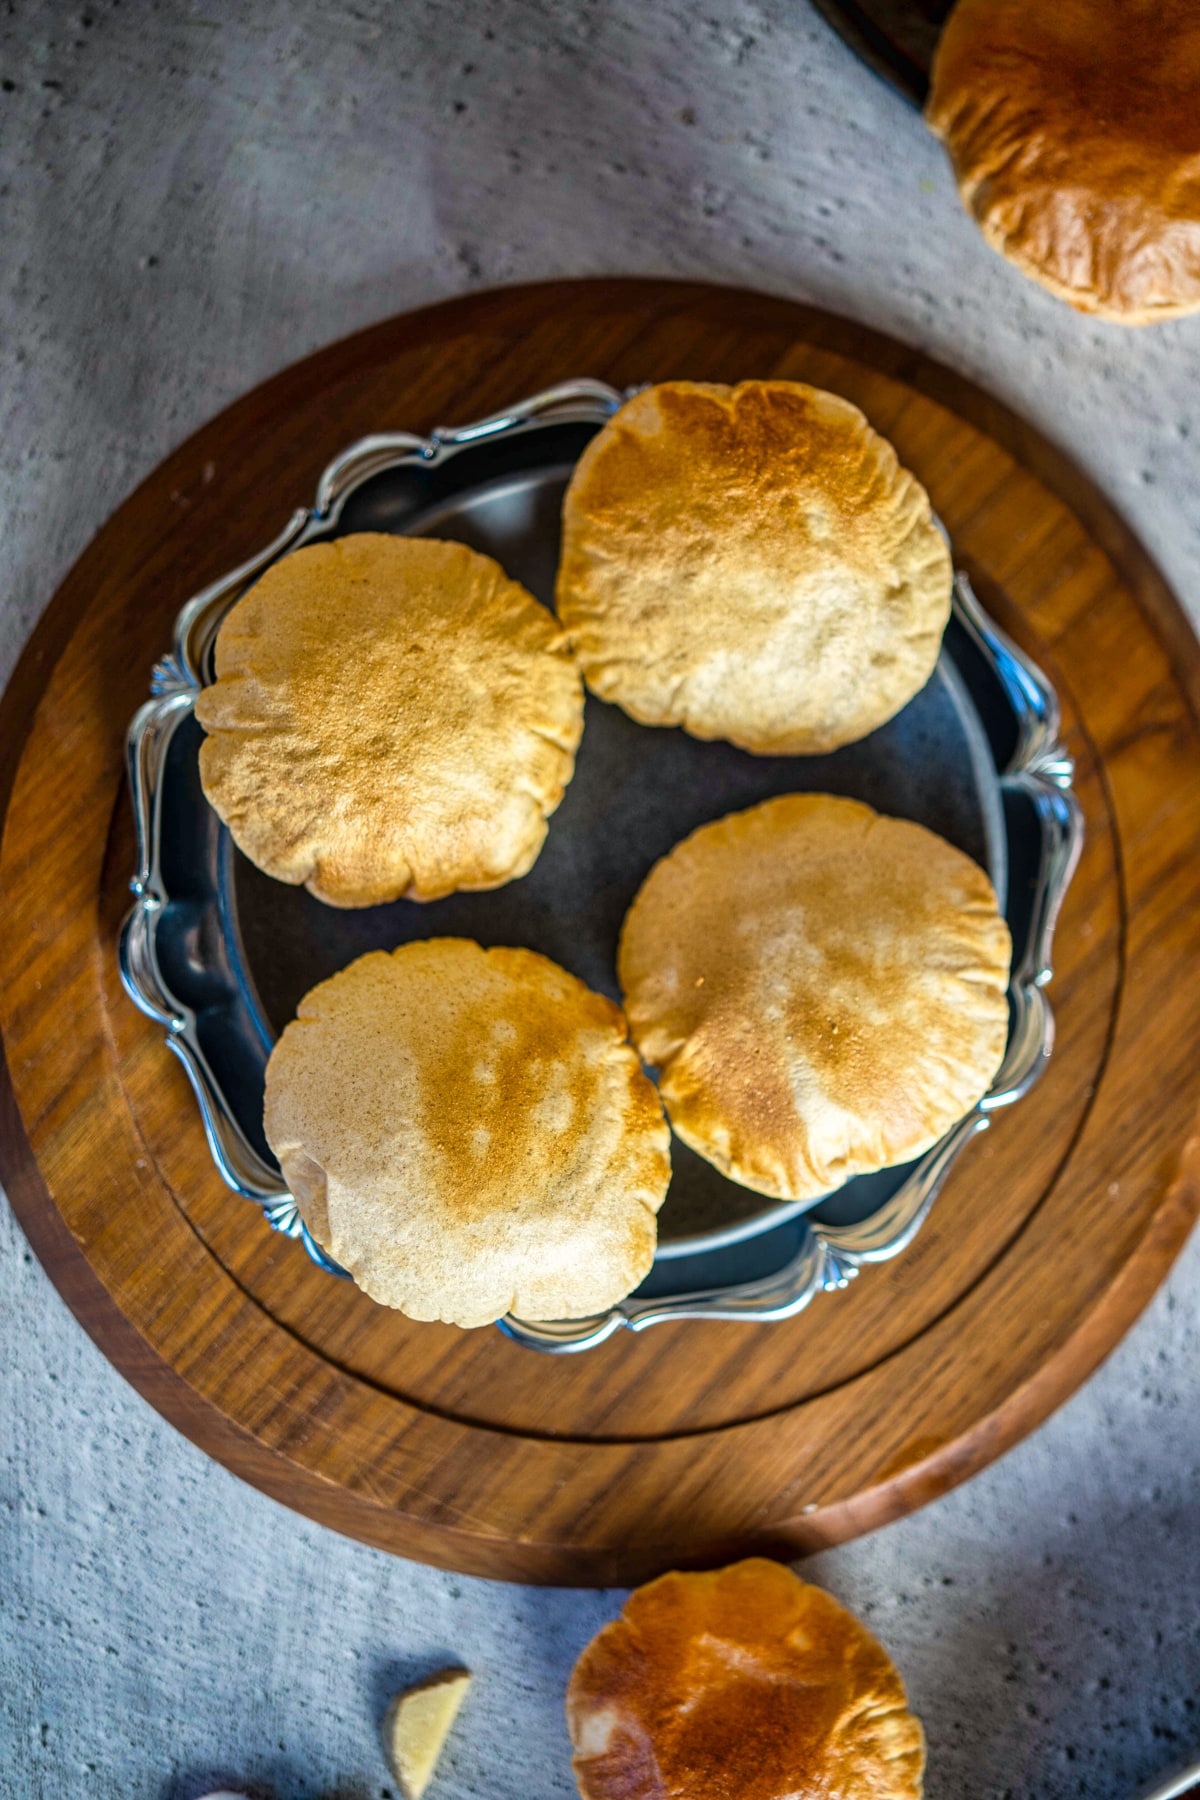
(192, 195)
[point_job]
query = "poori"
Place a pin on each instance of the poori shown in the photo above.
(469, 1133)
(821, 988)
(1074, 132)
(392, 716)
(751, 563)
(745, 1683)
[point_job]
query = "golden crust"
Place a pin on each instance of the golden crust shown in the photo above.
(743, 1684)
(751, 563)
(1074, 131)
(469, 1133)
(392, 716)
(822, 988)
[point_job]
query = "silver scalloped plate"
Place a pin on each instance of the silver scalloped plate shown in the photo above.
(219, 955)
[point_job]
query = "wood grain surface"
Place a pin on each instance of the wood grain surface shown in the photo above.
(696, 1441)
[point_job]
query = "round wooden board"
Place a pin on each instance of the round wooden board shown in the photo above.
(694, 1442)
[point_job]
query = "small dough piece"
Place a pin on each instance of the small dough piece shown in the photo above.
(823, 989)
(416, 1726)
(1074, 131)
(742, 1684)
(392, 716)
(469, 1133)
(751, 563)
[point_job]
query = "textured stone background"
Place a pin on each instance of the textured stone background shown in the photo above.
(191, 196)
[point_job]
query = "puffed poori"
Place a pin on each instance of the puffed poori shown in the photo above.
(751, 563)
(821, 988)
(469, 1133)
(392, 717)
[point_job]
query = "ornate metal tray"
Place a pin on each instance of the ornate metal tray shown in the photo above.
(220, 954)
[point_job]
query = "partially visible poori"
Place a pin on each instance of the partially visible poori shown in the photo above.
(469, 1133)
(392, 716)
(823, 990)
(1074, 131)
(751, 563)
(745, 1683)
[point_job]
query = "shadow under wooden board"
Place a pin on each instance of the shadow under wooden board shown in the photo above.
(697, 1441)
(896, 38)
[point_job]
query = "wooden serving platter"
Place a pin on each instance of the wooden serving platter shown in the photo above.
(697, 1441)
